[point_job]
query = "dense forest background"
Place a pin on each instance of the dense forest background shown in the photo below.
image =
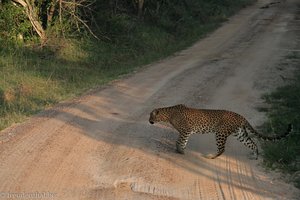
(51, 50)
(105, 19)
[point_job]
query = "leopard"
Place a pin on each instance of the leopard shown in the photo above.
(223, 123)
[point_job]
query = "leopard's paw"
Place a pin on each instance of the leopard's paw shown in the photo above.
(179, 150)
(210, 156)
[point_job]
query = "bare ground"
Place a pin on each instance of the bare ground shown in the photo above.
(101, 145)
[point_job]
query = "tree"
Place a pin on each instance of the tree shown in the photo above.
(43, 14)
(31, 13)
(140, 8)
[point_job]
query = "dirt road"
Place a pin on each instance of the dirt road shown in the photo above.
(101, 146)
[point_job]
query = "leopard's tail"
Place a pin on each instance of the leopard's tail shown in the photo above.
(250, 129)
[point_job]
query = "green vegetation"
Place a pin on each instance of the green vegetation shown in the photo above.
(285, 109)
(62, 58)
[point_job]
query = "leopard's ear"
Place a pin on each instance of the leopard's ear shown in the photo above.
(154, 112)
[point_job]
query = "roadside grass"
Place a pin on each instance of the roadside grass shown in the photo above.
(285, 109)
(33, 78)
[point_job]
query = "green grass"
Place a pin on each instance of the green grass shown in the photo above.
(33, 78)
(285, 109)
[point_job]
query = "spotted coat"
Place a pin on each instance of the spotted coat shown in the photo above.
(222, 123)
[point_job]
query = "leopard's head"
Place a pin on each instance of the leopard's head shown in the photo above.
(164, 114)
(156, 116)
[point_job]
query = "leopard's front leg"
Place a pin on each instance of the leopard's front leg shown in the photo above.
(182, 142)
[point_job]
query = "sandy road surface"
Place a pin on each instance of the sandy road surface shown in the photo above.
(101, 146)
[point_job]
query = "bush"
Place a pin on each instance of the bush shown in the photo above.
(285, 109)
(14, 23)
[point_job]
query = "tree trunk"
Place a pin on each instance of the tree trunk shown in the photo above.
(50, 12)
(33, 18)
(140, 9)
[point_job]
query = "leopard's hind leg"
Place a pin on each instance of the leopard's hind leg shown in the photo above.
(221, 141)
(243, 137)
